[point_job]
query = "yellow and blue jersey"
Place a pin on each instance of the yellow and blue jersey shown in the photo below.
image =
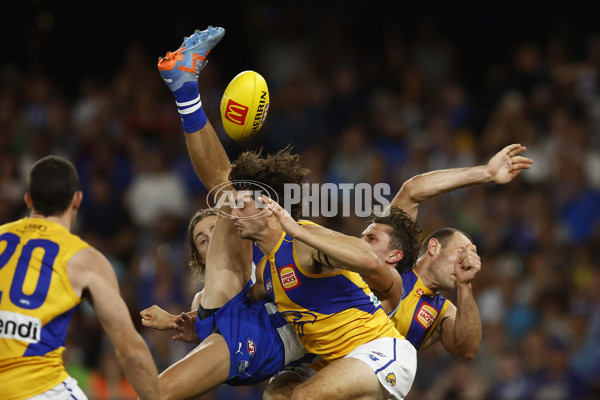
(420, 310)
(332, 313)
(37, 302)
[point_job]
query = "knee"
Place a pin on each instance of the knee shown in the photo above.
(275, 394)
(281, 387)
(301, 393)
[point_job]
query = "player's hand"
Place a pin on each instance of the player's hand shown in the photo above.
(157, 318)
(288, 224)
(184, 325)
(467, 264)
(508, 163)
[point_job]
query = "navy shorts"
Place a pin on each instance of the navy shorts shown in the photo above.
(256, 351)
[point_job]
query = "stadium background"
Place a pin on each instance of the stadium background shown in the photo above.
(371, 93)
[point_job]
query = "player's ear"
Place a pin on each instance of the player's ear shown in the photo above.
(77, 198)
(28, 201)
(395, 256)
(434, 247)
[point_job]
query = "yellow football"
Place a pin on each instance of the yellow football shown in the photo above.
(244, 105)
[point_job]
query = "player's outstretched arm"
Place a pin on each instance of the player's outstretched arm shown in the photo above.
(88, 269)
(502, 168)
(347, 251)
(461, 330)
(336, 250)
(157, 318)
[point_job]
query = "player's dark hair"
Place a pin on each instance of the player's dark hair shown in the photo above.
(52, 182)
(443, 236)
(404, 236)
(196, 263)
(272, 172)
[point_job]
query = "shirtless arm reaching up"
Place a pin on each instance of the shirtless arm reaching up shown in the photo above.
(502, 168)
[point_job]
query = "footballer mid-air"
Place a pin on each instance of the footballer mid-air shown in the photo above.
(243, 110)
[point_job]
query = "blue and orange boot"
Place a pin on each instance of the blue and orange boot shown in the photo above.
(183, 65)
(179, 70)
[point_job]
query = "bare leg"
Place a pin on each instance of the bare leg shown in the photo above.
(228, 264)
(208, 156)
(281, 388)
(347, 378)
(202, 370)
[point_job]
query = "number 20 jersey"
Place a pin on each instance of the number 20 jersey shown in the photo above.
(37, 302)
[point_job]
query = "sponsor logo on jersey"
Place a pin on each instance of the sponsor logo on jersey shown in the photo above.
(419, 292)
(289, 278)
(236, 112)
(426, 315)
(269, 285)
(251, 347)
(372, 357)
(20, 327)
(391, 379)
(379, 354)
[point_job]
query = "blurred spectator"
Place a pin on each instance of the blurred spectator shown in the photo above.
(11, 187)
(355, 160)
(434, 56)
(459, 381)
(155, 190)
(103, 213)
(557, 380)
(512, 382)
(108, 381)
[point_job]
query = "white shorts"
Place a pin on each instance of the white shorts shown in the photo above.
(393, 360)
(66, 390)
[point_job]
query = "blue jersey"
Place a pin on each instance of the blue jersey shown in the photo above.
(256, 350)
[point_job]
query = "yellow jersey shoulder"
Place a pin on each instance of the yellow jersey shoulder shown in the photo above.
(36, 304)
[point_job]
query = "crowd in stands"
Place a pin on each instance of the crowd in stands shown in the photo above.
(361, 104)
